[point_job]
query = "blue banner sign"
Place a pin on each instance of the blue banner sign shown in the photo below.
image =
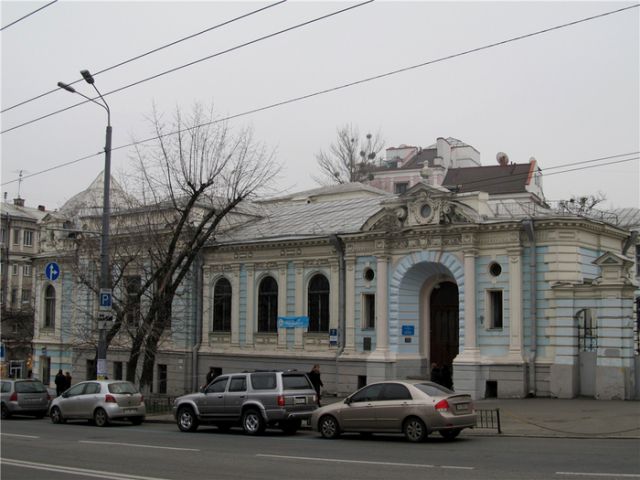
(293, 322)
(408, 330)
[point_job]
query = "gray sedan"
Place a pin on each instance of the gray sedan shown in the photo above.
(23, 397)
(99, 401)
(415, 408)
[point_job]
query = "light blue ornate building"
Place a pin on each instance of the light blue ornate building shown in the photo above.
(514, 297)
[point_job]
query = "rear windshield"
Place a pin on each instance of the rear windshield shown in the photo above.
(30, 387)
(124, 387)
(263, 381)
(433, 390)
(296, 382)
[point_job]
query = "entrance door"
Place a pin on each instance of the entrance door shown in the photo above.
(588, 348)
(444, 323)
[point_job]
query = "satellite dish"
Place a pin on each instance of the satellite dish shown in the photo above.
(502, 158)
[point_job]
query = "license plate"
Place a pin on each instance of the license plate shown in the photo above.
(130, 410)
(299, 400)
(462, 406)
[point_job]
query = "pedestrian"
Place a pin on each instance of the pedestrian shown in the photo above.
(211, 375)
(67, 377)
(436, 373)
(316, 381)
(61, 382)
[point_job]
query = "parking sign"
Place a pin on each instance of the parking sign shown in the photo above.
(105, 299)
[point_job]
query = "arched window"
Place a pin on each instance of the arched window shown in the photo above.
(268, 305)
(318, 303)
(50, 307)
(222, 306)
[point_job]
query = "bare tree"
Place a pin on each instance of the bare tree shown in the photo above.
(350, 158)
(187, 183)
(180, 191)
(583, 204)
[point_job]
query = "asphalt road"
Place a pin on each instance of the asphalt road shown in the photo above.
(36, 449)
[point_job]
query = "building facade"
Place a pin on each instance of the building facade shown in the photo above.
(19, 244)
(514, 298)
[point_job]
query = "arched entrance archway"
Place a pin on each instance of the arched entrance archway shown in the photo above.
(443, 323)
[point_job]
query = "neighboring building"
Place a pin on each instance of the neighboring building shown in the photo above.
(19, 241)
(514, 297)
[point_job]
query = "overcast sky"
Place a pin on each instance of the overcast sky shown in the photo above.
(564, 97)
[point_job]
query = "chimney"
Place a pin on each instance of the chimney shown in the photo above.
(41, 208)
(19, 202)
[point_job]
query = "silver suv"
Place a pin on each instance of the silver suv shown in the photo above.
(255, 401)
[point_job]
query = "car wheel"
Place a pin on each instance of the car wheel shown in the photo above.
(290, 427)
(187, 421)
(450, 434)
(4, 412)
(100, 418)
(328, 427)
(137, 420)
(56, 415)
(414, 429)
(252, 422)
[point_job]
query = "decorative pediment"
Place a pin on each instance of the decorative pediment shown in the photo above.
(422, 204)
(614, 268)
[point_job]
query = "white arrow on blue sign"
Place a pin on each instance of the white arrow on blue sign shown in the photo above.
(52, 271)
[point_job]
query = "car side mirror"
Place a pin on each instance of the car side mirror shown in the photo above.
(347, 400)
(64, 395)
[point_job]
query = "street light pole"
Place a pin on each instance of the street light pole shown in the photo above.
(105, 277)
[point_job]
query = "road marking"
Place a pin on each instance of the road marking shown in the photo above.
(85, 472)
(140, 445)
(16, 435)
(587, 474)
(391, 464)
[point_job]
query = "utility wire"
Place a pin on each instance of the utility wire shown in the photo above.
(28, 15)
(148, 53)
(175, 69)
(321, 92)
(340, 87)
(501, 178)
(484, 181)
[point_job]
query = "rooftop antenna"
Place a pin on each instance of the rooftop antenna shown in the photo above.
(20, 174)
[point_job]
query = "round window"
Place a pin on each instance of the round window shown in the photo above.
(495, 269)
(426, 210)
(369, 274)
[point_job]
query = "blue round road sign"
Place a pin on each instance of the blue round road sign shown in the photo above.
(52, 271)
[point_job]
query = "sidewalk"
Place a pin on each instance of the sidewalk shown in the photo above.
(570, 418)
(544, 417)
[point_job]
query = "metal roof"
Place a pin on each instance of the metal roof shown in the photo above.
(289, 220)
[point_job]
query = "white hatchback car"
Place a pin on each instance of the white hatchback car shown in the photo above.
(99, 401)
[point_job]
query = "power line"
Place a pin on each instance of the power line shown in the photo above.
(292, 100)
(28, 15)
(175, 69)
(501, 178)
(137, 57)
(481, 181)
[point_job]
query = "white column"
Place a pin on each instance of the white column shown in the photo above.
(299, 303)
(235, 306)
(382, 321)
(515, 305)
(282, 303)
(350, 306)
(471, 351)
(250, 321)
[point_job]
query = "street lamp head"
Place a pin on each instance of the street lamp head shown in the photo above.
(87, 76)
(66, 87)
